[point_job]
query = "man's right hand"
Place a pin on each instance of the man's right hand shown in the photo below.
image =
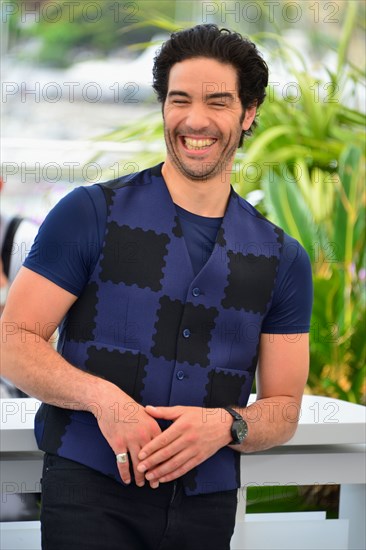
(127, 428)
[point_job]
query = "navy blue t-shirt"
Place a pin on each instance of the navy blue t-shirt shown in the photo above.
(200, 235)
(68, 245)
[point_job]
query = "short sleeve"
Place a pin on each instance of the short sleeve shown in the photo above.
(69, 241)
(291, 307)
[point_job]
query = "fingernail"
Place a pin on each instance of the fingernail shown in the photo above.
(154, 485)
(149, 477)
(140, 484)
(127, 481)
(142, 456)
(141, 468)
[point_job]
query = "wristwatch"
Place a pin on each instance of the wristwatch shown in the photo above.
(239, 428)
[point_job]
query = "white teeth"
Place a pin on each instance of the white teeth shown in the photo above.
(198, 143)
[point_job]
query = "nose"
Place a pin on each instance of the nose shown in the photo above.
(197, 117)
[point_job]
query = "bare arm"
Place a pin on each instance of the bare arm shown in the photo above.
(281, 377)
(35, 307)
(198, 433)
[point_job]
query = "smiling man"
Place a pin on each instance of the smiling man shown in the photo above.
(176, 294)
(203, 128)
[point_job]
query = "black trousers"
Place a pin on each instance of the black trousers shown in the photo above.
(85, 510)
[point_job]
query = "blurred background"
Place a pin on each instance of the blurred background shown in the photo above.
(77, 107)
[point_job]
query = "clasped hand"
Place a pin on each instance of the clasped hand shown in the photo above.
(195, 434)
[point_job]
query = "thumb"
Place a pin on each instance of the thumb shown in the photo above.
(167, 413)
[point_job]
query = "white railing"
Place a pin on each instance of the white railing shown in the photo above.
(328, 448)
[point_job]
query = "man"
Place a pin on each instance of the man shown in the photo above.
(173, 290)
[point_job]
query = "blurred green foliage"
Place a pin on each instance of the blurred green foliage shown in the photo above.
(309, 156)
(293, 498)
(64, 30)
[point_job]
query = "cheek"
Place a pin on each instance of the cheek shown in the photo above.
(232, 123)
(170, 123)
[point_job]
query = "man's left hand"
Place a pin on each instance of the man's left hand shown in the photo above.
(195, 434)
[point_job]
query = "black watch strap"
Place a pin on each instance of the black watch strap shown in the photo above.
(233, 413)
(239, 428)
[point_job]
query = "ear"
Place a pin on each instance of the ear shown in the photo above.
(249, 116)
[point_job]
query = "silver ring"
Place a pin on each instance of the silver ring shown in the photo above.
(121, 458)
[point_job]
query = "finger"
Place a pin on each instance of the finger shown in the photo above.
(162, 455)
(139, 477)
(167, 413)
(124, 468)
(154, 484)
(177, 466)
(159, 442)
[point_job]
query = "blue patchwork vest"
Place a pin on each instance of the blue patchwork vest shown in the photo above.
(165, 336)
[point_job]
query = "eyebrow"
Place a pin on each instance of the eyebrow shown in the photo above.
(220, 95)
(216, 95)
(178, 92)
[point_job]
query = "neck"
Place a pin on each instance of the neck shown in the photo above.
(205, 197)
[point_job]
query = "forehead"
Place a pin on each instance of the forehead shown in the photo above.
(200, 74)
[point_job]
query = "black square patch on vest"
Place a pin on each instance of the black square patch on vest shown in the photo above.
(251, 282)
(121, 367)
(173, 318)
(133, 256)
(224, 388)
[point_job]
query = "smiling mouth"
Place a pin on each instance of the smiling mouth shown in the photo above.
(197, 144)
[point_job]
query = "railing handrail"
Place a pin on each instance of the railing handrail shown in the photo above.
(323, 421)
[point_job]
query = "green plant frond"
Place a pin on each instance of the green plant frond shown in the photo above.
(348, 28)
(346, 206)
(346, 135)
(345, 114)
(289, 209)
(285, 49)
(158, 22)
(143, 45)
(320, 194)
(287, 153)
(355, 72)
(267, 137)
(302, 176)
(330, 146)
(150, 130)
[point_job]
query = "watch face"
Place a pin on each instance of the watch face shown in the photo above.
(240, 430)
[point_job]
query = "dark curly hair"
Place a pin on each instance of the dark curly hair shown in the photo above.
(223, 45)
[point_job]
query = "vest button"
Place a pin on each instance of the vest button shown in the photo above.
(196, 292)
(186, 333)
(180, 375)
